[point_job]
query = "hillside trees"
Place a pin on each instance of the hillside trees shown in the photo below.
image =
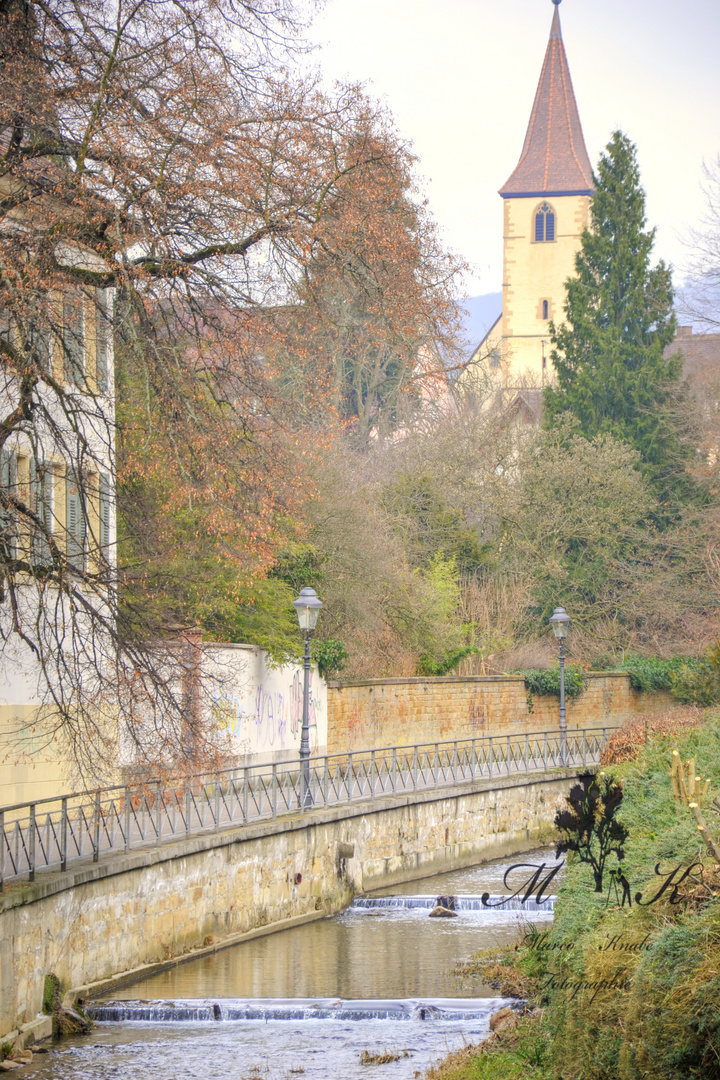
(374, 303)
(161, 171)
(609, 352)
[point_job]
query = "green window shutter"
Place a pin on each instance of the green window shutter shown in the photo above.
(102, 332)
(75, 524)
(5, 326)
(8, 530)
(41, 483)
(73, 338)
(39, 344)
(104, 513)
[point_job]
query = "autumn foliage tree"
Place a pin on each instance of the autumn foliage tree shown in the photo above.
(162, 172)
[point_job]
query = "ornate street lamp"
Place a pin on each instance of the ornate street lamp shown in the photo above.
(560, 622)
(307, 607)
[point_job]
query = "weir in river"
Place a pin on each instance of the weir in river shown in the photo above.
(377, 978)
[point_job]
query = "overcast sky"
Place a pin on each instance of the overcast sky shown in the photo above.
(460, 78)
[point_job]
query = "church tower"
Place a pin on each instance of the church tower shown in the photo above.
(546, 207)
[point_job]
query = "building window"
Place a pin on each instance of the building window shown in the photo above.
(546, 309)
(73, 338)
(495, 358)
(75, 520)
(544, 224)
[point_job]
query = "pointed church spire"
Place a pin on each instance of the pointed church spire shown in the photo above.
(554, 160)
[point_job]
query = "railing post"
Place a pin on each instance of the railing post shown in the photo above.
(96, 828)
(274, 791)
(545, 750)
(436, 765)
(394, 769)
(31, 843)
(217, 803)
(490, 757)
(415, 767)
(158, 819)
(473, 760)
(63, 835)
(349, 776)
(527, 752)
(372, 774)
(127, 819)
(326, 780)
(188, 809)
(508, 755)
(246, 796)
(584, 746)
(455, 761)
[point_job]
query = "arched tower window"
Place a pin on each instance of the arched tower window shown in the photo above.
(544, 224)
(546, 309)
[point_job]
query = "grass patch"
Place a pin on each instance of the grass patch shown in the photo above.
(382, 1057)
(628, 993)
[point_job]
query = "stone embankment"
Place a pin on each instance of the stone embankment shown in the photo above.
(133, 914)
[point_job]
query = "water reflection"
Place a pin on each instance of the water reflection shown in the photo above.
(396, 953)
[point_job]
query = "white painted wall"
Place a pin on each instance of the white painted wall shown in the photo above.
(260, 705)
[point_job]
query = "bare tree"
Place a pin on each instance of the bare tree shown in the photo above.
(164, 184)
(699, 299)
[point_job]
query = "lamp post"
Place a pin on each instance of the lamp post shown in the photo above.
(560, 622)
(307, 607)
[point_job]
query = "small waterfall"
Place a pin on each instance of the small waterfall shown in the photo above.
(462, 903)
(437, 1009)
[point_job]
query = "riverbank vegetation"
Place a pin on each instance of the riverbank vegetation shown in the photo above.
(623, 991)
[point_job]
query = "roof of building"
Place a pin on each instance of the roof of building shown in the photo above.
(554, 160)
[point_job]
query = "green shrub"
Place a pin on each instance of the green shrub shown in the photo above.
(429, 665)
(330, 655)
(52, 994)
(696, 682)
(543, 681)
(650, 673)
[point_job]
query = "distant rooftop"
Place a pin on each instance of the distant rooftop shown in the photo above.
(554, 160)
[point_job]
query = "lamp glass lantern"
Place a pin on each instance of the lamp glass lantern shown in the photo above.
(307, 607)
(560, 622)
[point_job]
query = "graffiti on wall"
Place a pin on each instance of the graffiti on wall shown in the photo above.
(270, 719)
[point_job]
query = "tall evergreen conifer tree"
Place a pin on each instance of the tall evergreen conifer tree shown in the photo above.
(608, 355)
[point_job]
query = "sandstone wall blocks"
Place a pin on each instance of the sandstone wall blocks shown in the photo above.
(197, 891)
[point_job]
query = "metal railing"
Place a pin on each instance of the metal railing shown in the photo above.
(55, 833)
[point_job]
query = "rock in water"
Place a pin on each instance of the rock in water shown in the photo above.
(504, 1019)
(442, 913)
(23, 1057)
(71, 1021)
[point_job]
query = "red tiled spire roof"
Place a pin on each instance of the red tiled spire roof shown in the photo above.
(554, 160)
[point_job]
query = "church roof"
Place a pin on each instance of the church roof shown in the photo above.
(554, 160)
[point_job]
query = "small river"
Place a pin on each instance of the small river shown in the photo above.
(310, 1000)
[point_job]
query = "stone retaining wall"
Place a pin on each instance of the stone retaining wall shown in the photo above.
(141, 912)
(402, 712)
